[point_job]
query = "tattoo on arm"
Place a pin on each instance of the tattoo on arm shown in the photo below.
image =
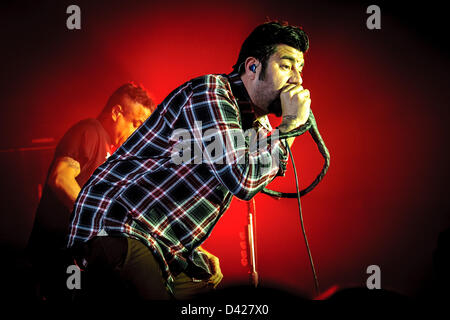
(288, 123)
(72, 163)
(289, 117)
(63, 180)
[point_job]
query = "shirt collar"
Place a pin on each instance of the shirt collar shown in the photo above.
(245, 105)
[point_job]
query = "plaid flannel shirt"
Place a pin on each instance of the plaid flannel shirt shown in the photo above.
(140, 192)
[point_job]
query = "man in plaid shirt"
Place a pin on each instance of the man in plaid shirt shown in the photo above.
(144, 213)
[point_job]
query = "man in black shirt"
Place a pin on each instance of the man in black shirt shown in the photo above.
(81, 150)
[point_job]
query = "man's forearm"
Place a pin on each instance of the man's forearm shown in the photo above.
(63, 181)
(67, 190)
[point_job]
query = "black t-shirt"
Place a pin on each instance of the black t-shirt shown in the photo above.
(88, 143)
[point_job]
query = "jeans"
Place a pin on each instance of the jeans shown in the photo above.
(124, 268)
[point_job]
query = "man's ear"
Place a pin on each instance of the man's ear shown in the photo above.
(116, 112)
(252, 63)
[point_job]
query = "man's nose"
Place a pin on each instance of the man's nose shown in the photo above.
(296, 77)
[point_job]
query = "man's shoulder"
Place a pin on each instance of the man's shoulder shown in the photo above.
(87, 127)
(200, 88)
(211, 82)
(81, 140)
(88, 123)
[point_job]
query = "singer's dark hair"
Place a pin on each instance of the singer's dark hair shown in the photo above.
(132, 91)
(263, 41)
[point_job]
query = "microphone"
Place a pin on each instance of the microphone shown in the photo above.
(311, 127)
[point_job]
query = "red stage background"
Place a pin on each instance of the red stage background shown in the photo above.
(380, 98)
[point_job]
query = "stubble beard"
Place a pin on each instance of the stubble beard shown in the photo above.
(269, 101)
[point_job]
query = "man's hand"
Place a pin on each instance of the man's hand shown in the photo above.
(215, 267)
(295, 106)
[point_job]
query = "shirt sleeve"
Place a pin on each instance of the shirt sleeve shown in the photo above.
(284, 155)
(79, 143)
(244, 162)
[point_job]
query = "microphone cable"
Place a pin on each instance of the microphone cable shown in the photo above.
(316, 281)
(311, 127)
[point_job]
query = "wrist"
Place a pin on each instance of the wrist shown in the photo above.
(290, 122)
(286, 126)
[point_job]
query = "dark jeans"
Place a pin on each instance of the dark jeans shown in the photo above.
(124, 268)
